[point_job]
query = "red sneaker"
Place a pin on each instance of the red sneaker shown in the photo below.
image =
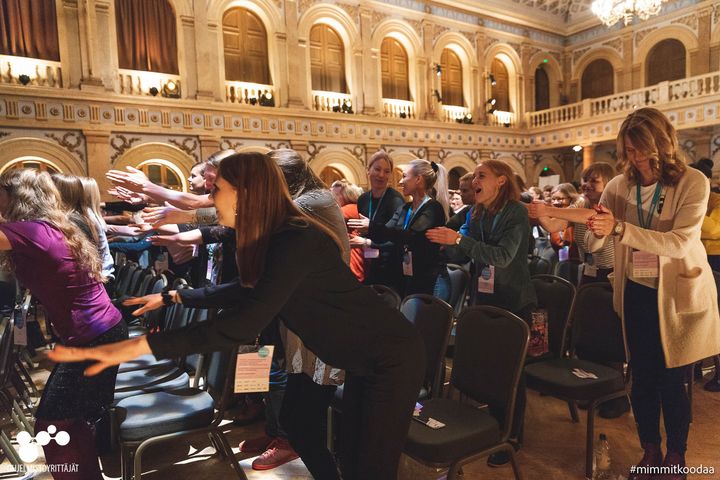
(256, 445)
(278, 453)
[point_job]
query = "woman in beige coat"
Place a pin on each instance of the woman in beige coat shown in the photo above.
(670, 318)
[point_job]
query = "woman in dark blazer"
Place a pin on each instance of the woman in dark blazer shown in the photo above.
(290, 266)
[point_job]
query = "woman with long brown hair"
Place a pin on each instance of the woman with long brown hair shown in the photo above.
(496, 240)
(290, 266)
(654, 211)
(62, 269)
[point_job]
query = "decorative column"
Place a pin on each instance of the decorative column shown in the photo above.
(97, 146)
(187, 57)
(700, 60)
(372, 103)
(69, 37)
(209, 86)
(588, 153)
(625, 79)
(89, 49)
(434, 107)
(297, 85)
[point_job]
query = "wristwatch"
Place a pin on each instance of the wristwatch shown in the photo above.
(619, 228)
(458, 238)
(166, 297)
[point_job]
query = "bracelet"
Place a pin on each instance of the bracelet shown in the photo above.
(368, 242)
(166, 297)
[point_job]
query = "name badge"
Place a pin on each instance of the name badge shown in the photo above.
(407, 264)
(590, 270)
(564, 254)
(486, 279)
(645, 265)
(369, 252)
(252, 369)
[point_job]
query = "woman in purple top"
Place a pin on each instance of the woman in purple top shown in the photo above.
(62, 269)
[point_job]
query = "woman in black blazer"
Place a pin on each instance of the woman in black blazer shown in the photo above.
(414, 260)
(290, 266)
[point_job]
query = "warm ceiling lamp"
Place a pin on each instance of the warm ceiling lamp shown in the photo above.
(612, 11)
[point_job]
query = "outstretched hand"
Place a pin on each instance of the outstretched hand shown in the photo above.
(360, 224)
(148, 302)
(603, 222)
(105, 355)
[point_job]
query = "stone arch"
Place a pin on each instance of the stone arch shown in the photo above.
(509, 57)
(554, 73)
(516, 166)
(271, 18)
(345, 27)
(54, 154)
(253, 149)
(182, 8)
(406, 35)
(168, 155)
(344, 161)
(677, 32)
(464, 49)
(459, 160)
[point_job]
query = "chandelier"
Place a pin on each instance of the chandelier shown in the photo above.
(611, 11)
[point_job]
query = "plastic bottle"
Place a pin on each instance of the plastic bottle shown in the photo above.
(601, 459)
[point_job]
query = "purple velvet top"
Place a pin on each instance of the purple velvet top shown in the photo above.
(77, 305)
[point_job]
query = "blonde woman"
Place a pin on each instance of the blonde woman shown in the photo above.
(663, 286)
(61, 267)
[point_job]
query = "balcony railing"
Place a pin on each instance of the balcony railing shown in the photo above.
(453, 113)
(501, 119)
(30, 71)
(136, 82)
(662, 94)
(331, 102)
(249, 93)
(399, 108)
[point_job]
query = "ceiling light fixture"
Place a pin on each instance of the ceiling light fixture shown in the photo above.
(612, 11)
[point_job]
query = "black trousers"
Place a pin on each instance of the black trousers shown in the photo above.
(377, 410)
(303, 416)
(654, 387)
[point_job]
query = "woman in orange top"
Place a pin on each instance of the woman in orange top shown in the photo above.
(346, 196)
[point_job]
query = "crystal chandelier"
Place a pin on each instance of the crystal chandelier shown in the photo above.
(611, 11)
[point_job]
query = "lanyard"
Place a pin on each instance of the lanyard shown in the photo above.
(646, 222)
(492, 227)
(409, 215)
(371, 215)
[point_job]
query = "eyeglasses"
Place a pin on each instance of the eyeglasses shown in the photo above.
(560, 199)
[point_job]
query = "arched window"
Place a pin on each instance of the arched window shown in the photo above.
(542, 89)
(331, 174)
(28, 28)
(394, 63)
(454, 177)
(35, 163)
(161, 174)
(452, 79)
(146, 35)
(501, 89)
(598, 80)
(666, 62)
(327, 59)
(246, 47)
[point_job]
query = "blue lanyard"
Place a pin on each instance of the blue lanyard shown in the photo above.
(409, 215)
(646, 222)
(492, 227)
(371, 216)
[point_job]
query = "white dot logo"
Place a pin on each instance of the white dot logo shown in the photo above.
(29, 450)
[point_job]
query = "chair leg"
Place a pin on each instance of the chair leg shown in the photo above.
(224, 445)
(126, 469)
(589, 439)
(514, 463)
(572, 406)
(216, 445)
(689, 385)
(454, 472)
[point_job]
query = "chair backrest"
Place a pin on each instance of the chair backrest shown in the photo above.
(220, 376)
(459, 283)
(596, 331)
(433, 318)
(556, 295)
(569, 270)
(490, 349)
(125, 277)
(6, 350)
(549, 254)
(387, 295)
(135, 281)
(538, 265)
(156, 285)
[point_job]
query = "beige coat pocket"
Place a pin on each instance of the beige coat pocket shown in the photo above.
(691, 292)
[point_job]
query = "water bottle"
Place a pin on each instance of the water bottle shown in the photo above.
(601, 459)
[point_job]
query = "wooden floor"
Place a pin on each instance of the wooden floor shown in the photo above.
(554, 448)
